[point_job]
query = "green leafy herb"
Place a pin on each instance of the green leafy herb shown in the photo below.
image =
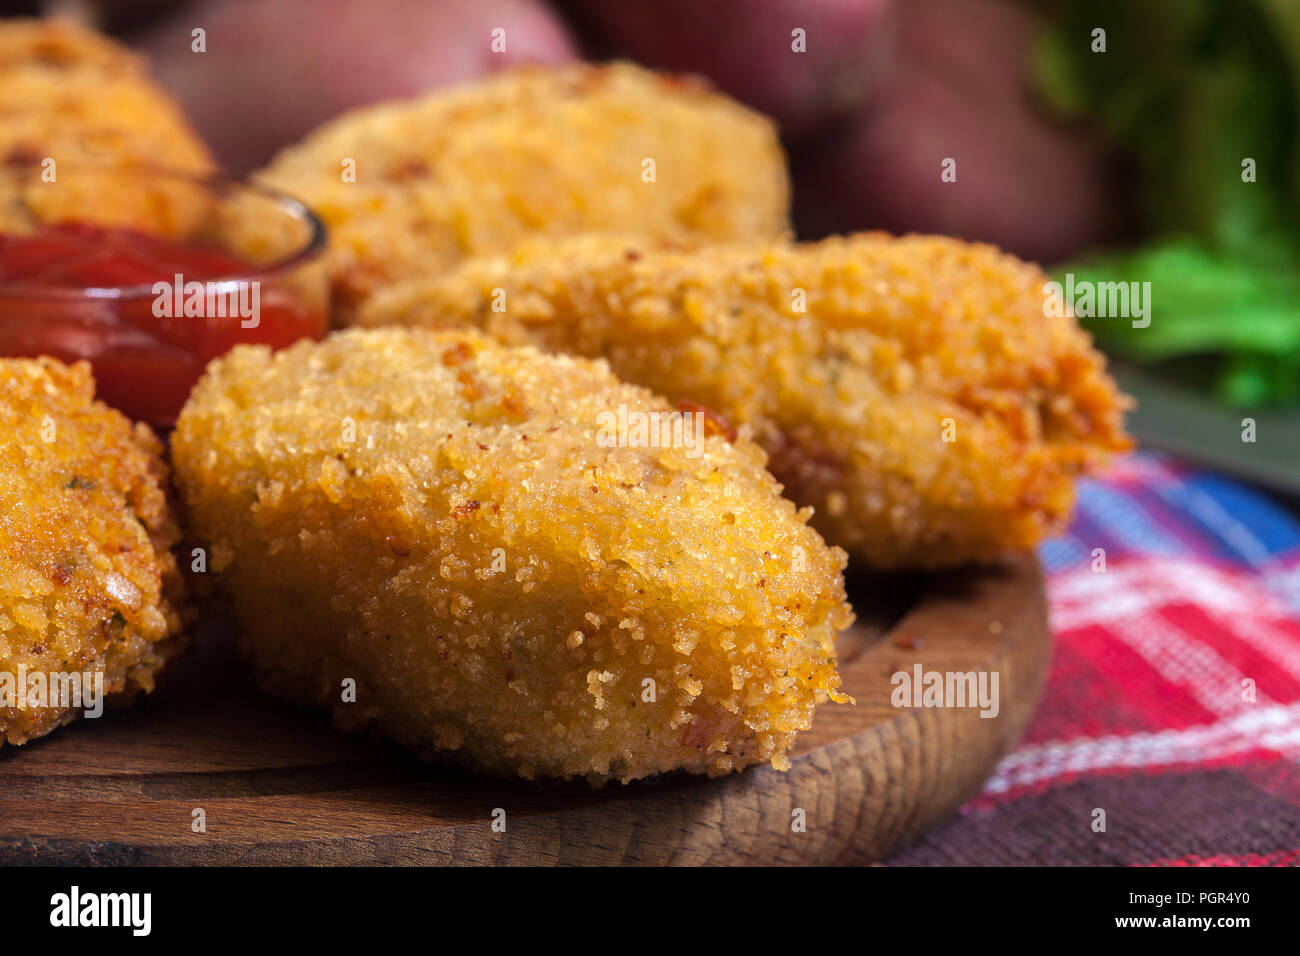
(1191, 90)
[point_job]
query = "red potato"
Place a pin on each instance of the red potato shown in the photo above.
(960, 89)
(275, 69)
(745, 47)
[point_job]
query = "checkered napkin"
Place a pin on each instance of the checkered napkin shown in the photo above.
(1173, 702)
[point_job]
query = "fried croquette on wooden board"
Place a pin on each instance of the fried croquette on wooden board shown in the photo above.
(411, 188)
(439, 519)
(88, 584)
(77, 99)
(910, 389)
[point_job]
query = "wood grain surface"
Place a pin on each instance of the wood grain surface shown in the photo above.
(278, 786)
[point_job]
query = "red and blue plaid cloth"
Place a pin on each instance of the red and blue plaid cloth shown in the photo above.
(1173, 702)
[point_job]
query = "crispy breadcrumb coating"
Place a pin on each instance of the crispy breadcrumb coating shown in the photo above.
(87, 579)
(432, 516)
(477, 169)
(72, 96)
(910, 389)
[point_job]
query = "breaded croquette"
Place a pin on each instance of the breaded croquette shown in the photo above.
(450, 541)
(88, 584)
(74, 99)
(911, 390)
(411, 188)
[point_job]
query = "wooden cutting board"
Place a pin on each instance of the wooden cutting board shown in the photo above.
(277, 786)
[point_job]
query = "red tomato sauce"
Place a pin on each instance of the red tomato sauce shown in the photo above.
(145, 364)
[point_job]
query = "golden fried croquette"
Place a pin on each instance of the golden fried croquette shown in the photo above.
(439, 519)
(535, 151)
(74, 97)
(911, 390)
(87, 581)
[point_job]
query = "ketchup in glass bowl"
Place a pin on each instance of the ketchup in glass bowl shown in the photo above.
(225, 263)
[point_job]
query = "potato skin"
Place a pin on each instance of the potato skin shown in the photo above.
(71, 95)
(87, 580)
(498, 584)
(747, 48)
(959, 87)
(532, 152)
(343, 55)
(850, 398)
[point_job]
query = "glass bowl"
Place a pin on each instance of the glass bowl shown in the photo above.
(148, 274)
